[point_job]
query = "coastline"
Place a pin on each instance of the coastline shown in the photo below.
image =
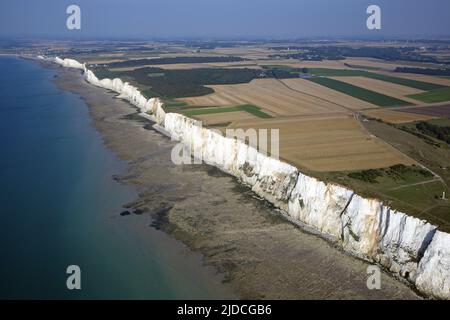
(297, 251)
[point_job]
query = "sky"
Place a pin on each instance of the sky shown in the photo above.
(222, 19)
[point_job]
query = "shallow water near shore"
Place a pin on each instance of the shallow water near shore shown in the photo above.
(61, 206)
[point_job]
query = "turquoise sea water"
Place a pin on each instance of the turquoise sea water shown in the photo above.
(60, 205)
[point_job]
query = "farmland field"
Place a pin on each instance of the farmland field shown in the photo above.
(245, 107)
(434, 110)
(309, 87)
(376, 64)
(438, 95)
(422, 78)
(421, 85)
(326, 72)
(360, 93)
(389, 89)
(270, 95)
(395, 116)
(331, 143)
(362, 67)
(223, 119)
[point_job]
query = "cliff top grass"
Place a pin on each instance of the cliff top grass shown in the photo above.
(408, 189)
(393, 176)
(437, 130)
(419, 198)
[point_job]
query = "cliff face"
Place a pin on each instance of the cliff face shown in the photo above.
(407, 246)
(433, 272)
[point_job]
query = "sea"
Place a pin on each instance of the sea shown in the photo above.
(61, 232)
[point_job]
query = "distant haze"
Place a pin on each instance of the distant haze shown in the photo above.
(148, 19)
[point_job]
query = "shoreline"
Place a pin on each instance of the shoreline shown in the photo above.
(175, 226)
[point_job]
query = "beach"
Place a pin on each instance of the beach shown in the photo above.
(259, 253)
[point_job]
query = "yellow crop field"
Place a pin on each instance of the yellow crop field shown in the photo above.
(395, 116)
(328, 143)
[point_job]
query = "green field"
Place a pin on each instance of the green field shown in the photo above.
(102, 73)
(148, 93)
(360, 93)
(170, 104)
(357, 66)
(405, 82)
(438, 95)
(324, 72)
(211, 110)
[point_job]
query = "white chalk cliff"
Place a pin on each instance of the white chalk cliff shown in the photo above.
(406, 246)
